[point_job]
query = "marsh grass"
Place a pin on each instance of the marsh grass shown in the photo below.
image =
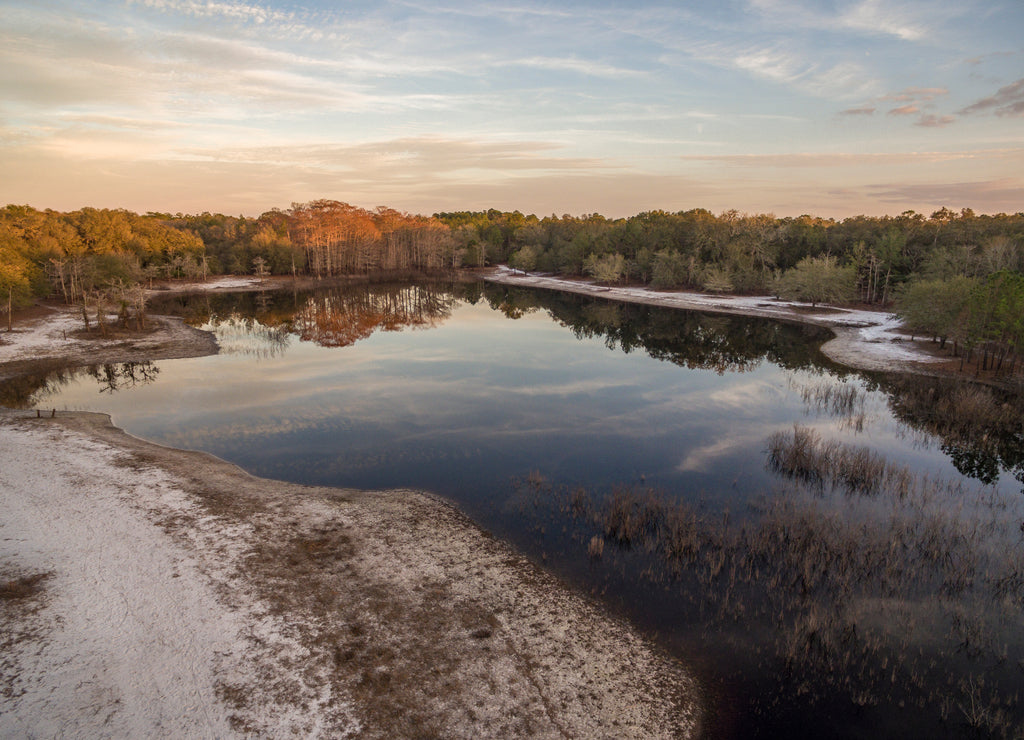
(804, 455)
(846, 402)
(889, 588)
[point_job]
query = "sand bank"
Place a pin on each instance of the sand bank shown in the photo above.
(865, 340)
(156, 592)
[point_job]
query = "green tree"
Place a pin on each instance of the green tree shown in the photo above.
(717, 280)
(669, 269)
(607, 269)
(14, 286)
(937, 307)
(525, 259)
(817, 280)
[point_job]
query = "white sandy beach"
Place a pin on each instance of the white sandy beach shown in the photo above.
(178, 596)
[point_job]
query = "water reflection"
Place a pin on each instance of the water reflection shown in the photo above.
(244, 335)
(33, 389)
(981, 427)
(120, 376)
(784, 523)
(331, 317)
(838, 606)
(340, 319)
(980, 430)
(685, 338)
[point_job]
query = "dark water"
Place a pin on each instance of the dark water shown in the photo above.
(810, 606)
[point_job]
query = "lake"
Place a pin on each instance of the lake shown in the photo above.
(832, 554)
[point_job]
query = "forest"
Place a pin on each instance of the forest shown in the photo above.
(956, 276)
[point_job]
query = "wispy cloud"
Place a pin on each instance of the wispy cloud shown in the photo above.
(914, 101)
(848, 159)
(580, 66)
(878, 17)
(211, 8)
(430, 157)
(903, 20)
(1003, 193)
(840, 80)
(299, 25)
(929, 120)
(422, 104)
(916, 94)
(1007, 101)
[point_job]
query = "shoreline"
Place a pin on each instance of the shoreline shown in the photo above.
(146, 590)
(864, 340)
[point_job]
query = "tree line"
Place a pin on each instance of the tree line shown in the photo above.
(77, 252)
(951, 275)
(744, 253)
(941, 271)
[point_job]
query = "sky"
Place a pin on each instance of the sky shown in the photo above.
(826, 107)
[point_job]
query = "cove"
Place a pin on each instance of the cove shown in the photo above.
(554, 419)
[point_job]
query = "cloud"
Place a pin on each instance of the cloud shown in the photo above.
(916, 94)
(1008, 101)
(864, 110)
(212, 9)
(425, 157)
(1006, 194)
(701, 458)
(877, 17)
(913, 99)
(580, 66)
(905, 21)
(841, 159)
(844, 79)
(929, 120)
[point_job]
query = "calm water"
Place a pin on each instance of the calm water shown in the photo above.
(532, 410)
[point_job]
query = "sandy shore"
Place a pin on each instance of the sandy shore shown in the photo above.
(865, 340)
(152, 592)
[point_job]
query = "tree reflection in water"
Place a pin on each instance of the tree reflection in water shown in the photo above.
(33, 389)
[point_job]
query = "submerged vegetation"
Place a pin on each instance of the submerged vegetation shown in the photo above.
(803, 455)
(893, 595)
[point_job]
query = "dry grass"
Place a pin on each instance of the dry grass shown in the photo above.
(803, 455)
(845, 402)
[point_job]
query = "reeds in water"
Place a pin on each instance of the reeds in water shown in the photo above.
(803, 455)
(865, 578)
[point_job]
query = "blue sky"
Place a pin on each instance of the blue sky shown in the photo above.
(829, 107)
